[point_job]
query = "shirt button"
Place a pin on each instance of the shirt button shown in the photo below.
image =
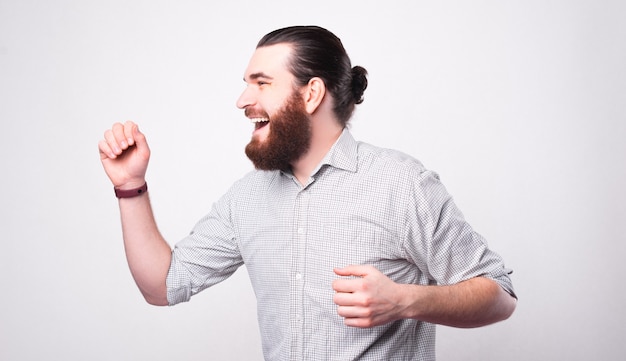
(298, 275)
(300, 230)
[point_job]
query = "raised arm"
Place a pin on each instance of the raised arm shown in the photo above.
(125, 154)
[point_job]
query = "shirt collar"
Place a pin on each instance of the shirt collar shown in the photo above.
(343, 154)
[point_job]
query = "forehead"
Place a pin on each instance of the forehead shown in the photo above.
(270, 61)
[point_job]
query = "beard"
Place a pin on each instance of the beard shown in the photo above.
(289, 137)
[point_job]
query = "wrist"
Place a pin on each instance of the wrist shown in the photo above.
(413, 300)
(128, 192)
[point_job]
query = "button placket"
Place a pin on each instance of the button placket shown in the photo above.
(297, 268)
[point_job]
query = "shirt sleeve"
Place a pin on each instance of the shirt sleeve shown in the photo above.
(207, 256)
(442, 244)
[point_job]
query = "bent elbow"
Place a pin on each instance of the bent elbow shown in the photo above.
(159, 299)
(154, 301)
(509, 303)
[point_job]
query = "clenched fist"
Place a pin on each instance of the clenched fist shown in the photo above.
(125, 154)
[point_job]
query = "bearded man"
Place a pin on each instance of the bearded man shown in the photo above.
(354, 252)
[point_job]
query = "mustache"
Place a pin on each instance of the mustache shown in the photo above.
(255, 113)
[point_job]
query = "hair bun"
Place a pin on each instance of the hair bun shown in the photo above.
(359, 83)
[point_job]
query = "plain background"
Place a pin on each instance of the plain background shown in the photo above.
(518, 105)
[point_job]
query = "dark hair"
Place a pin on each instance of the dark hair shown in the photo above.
(319, 53)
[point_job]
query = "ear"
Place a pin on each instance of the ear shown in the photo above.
(313, 95)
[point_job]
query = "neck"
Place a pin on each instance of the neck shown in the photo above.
(321, 142)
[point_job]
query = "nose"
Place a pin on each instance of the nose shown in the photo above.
(246, 98)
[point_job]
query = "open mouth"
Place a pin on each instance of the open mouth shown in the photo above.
(259, 122)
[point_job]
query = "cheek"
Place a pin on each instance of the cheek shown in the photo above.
(274, 102)
(272, 108)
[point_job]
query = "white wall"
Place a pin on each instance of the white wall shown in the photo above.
(519, 105)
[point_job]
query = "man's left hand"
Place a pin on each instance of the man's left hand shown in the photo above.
(369, 299)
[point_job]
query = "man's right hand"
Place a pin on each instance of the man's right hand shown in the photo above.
(125, 154)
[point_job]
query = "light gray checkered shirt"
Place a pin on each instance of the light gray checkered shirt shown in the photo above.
(363, 205)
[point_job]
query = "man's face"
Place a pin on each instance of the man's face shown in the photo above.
(282, 130)
(288, 139)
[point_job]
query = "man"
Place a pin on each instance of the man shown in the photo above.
(354, 252)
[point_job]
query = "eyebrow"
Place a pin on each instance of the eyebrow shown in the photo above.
(258, 75)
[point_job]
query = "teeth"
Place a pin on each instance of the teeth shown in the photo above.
(259, 120)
